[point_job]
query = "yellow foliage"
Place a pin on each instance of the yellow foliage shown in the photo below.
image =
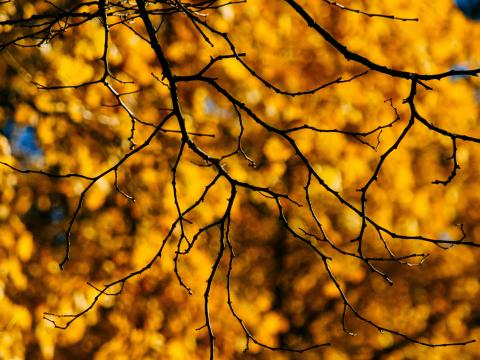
(46, 337)
(72, 71)
(331, 176)
(5, 150)
(25, 246)
(97, 195)
(235, 70)
(24, 114)
(276, 150)
(279, 285)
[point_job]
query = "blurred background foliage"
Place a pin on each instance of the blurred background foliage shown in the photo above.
(279, 287)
